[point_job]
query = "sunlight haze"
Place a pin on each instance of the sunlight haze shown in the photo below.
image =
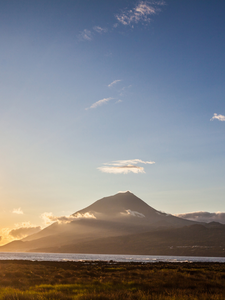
(104, 96)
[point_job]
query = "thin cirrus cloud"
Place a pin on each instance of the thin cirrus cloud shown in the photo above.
(124, 166)
(85, 35)
(100, 30)
(204, 216)
(99, 103)
(124, 90)
(17, 211)
(114, 82)
(140, 13)
(218, 117)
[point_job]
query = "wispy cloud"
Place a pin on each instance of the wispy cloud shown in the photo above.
(99, 103)
(130, 161)
(124, 166)
(23, 232)
(114, 82)
(85, 35)
(203, 216)
(218, 117)
(126, 87)
(140, 13)
(99, 29)
(122, 170)
(48, 218)
(17, 211)
(132, 213)
(123, 91)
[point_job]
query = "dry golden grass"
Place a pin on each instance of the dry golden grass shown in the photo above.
(24, 280)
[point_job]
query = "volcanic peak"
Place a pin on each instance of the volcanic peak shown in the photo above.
(117, 204)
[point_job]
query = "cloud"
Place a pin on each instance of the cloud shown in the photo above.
(124, 90)
(124, 166)
(114, 82)
(5, 237)
(129, 161)
(85, 35)
(24, 231)
(133, 213)
(218, 117)
(122, 170)
(203, 216)
(49, 218)
(99, 103)
(140, 13)
(99, 29)
(17, 211)
(19, 231)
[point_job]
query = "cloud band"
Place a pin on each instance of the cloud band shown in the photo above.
(124, 166)
(203, 216)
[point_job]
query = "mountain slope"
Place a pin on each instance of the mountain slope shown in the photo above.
(122, 209)
(118, 215)
(194, 240)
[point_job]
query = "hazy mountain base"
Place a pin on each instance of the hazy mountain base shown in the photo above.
(24, 280)
(195, 240)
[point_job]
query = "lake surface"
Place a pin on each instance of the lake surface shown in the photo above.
(104, 257)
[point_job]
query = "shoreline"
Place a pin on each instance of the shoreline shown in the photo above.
(76, 257)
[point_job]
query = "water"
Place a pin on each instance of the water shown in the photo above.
(105, 257)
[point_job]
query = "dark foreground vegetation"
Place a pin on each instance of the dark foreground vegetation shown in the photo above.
(24, 280)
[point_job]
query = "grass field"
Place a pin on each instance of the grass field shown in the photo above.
(24, 280)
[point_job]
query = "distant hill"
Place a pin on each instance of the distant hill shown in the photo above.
(124, 224)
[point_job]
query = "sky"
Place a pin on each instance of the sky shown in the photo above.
(103, 96)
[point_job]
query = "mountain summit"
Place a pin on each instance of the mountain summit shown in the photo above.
(128, 208)
(121, 204)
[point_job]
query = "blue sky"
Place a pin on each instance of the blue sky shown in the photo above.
(92, 91)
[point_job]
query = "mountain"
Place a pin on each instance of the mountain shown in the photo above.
(128, 208)
(117, 224)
